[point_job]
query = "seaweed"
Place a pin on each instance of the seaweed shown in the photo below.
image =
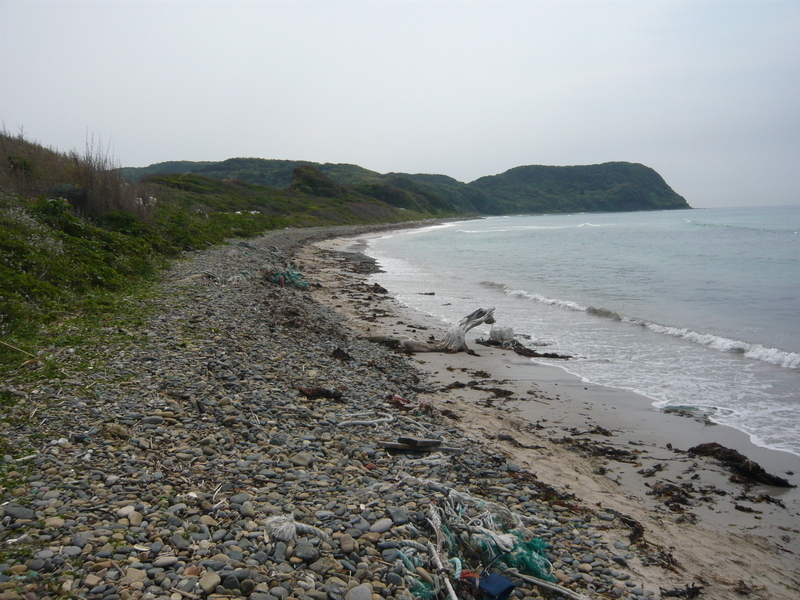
(739, 464)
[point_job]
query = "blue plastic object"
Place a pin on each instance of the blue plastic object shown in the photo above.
(495, 587)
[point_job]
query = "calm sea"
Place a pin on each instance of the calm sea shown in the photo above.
(694, 308)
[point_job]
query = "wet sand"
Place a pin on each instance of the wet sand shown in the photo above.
(608, 449)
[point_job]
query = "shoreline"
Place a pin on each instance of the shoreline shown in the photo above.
(640, 411)
(162, 453)
(609, 446)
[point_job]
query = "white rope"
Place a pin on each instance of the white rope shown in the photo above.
(285, 528)
(547, 585)
(434, 460)
(383, 418)
(438, 560)
(464, 498)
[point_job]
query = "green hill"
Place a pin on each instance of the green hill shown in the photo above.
(79, 237)
(608, 187)
(76, 238)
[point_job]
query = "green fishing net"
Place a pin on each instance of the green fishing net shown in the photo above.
(422, 590)
(526, 557)
(529, 558)
(290, 277)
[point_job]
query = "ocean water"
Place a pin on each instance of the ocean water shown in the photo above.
(695, 308)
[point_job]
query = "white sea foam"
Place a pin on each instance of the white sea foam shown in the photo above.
(494, 231)
(568, 304)
(788, 360)
(697, 292)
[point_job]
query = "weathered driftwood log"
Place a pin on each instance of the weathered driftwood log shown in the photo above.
(455, 338)
(453, 341)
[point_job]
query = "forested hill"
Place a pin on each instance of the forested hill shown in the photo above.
(607, 187)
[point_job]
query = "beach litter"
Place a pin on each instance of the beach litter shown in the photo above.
(471, 531)
(418, 445)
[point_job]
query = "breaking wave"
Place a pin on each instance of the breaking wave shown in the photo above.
(775, 356)
(788, 360)
(533, 228)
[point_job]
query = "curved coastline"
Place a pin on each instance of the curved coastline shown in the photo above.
(552, 423)
(696, 358)
(638, 412)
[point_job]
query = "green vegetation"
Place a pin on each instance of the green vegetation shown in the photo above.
(80, 246)
(610, 187)
(82, 239)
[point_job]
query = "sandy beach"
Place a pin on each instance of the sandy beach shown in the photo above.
(606, 449)
(241, 442)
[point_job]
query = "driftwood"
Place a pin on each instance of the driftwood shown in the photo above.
(418, 445)
(313, 393)
(455, 338)
(522, 350)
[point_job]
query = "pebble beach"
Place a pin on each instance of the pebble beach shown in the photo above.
(238, 445)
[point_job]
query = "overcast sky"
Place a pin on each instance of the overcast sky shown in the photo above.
(705, 92)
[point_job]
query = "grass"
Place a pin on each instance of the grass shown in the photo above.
(81, 248)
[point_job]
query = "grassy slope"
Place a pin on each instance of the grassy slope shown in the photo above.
(67, 274)
(67, 268)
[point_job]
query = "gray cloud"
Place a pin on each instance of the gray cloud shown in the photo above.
(704, 92)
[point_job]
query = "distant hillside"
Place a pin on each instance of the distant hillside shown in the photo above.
(608, 187)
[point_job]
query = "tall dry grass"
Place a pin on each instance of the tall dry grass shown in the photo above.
(90, 181)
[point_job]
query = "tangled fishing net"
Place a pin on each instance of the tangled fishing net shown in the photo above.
(491, 533)
(290, 277)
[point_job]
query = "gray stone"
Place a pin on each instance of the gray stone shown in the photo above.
(247, 509)
(242, 574)
(209, 582)
(241, 498)
(37, 564)
(302, 459)
(394, 579)
(306, 551)
(381, 525)
(280, 551)
(16, 511)
(398, 514)
(347, 543)
(325, 564)
(360, 592)
(279, 592)
(165, 561)
(179, 541)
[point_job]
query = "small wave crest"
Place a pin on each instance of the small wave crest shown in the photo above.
(604, 313)
(532, 228)
(568, 304)
(733, 226)
(781, 358)
(788, 360)
(493, 284)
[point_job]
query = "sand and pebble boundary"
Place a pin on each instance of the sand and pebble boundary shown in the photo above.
(158, 473)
